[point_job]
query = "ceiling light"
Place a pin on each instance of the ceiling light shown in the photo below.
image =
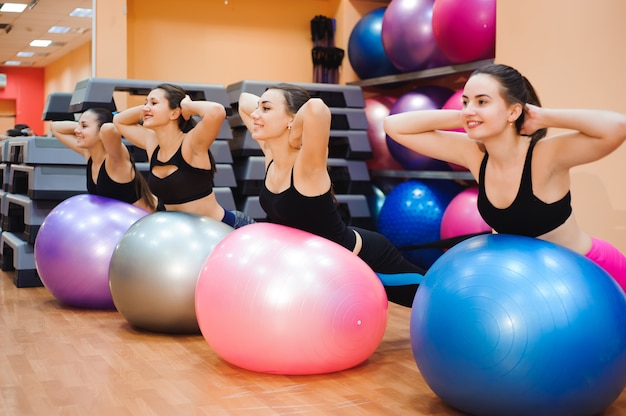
(25, 54)
(41, 43)
(79, 12)
(13, 7)
(13, 63)
(59, 29)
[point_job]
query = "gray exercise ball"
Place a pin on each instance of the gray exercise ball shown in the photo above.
(155, 266)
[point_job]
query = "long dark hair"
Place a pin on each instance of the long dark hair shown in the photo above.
(295, 96)
(174, 95)
(516, 89)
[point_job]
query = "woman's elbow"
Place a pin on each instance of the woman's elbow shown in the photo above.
(621, 128)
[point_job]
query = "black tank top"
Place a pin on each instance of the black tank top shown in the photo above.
(107, 187)
(315, 214)
(527, 215)
(186, 184)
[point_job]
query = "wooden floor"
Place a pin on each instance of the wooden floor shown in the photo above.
(57, 360)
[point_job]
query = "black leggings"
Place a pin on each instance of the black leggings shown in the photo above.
(383, 257)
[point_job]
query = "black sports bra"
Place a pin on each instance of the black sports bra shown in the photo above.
(107, 187)
(527, 215)
(186, 184)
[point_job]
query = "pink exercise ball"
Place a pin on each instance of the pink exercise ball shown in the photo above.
(275, 299)
(74, 246)
(455, 103)
(461, 216)
(465, 30)
(376, 109)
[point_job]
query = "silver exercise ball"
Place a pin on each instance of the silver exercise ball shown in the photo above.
(155, 266)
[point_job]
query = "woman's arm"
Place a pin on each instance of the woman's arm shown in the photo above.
(64, 132)
(212, 116)
(127, 124)
(424, 131)
(310, 132)
(596, 133)
(246, 105)
(112, 140)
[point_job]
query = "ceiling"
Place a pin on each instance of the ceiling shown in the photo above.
(33, 23)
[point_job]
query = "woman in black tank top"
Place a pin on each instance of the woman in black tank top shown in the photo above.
(293, 130)
(111, 171)
(178, 147)
(505, 128)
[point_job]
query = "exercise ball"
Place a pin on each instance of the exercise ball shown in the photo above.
(455, 102)
(429, 97)
(407, 34)
(376, 109)
(461, 216)
(276, 299)
(155, 266)
(365, 47)
(375, 202)
(465, 30)
(512, 325)
(411, 216)
(74, 245)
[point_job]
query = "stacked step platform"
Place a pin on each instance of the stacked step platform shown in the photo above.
(37, 174)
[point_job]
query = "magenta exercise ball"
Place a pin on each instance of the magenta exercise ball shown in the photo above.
(275, 299)
(429, 97)
(376, 109)
(455, 102)
(461, 216)
(74, 245)
(408, 36)
(465, 30)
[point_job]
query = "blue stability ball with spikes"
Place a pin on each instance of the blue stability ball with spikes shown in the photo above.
(411, 215)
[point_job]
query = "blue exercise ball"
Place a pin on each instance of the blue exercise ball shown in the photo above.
(365, 47)
(511, 325)
(411, 216)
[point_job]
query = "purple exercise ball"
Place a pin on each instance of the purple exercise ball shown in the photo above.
(430, 97)
(74, 246)
(408, 37)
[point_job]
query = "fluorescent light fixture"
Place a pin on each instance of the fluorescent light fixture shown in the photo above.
(13, 7)
(59, 29)
(80, 12)
(12, 63)
(41, 43)
(25, 54)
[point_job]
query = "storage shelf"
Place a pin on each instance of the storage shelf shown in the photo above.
(422, 174)
(427, 73)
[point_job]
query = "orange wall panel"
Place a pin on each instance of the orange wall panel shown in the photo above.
(571, 51)
(218, 43)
